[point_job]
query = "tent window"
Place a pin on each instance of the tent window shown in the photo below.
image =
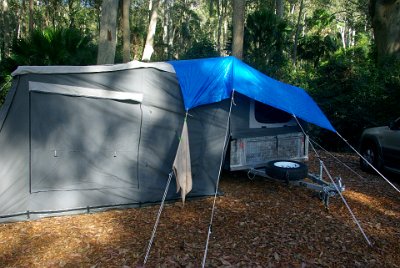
(266, 114)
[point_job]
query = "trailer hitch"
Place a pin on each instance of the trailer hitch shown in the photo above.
(324, 189)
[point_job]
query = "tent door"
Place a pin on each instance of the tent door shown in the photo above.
(80, 143)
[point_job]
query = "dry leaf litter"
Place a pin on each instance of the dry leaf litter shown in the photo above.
(258, 223)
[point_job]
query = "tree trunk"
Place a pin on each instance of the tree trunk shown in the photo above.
(22, 22)
(220, 13)
(126, 31)
(55, 5)
(296, 36)
(167, 29)
(352, 38)
(71, 11)
(30, 16)
(108, 32)
(46, 15)
(225, 26)
(292, 6)
(151, 32)
(238, 28)
(165, 14)
(5, 29)
(1, 31)
(385, 16)
(280, 8)
(342, 31)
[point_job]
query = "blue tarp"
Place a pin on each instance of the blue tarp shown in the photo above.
(205, 81)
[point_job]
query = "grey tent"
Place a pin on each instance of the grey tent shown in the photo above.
(69, 139)
(92, 137)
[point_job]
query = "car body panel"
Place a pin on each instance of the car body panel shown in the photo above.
(387, 142)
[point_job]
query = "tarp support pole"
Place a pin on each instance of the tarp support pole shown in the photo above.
(336, 188)
(30, 141)
(347, 205)
(218, 179)
(153, 234)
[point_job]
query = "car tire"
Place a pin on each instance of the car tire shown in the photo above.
(286, 170)
(370, 152)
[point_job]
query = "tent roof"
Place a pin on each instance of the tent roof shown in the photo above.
(163, 66)
(211, 80)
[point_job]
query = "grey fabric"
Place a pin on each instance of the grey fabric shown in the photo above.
(162, 66)
(7, 103)
(182, 166)
(14, 152)
(83, 143)
(61, 152)
(84, 92)
(207, 131)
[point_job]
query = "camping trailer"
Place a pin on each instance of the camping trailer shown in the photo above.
(82, 138)
(261, 133)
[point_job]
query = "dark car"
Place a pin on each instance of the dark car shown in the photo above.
(381, 147)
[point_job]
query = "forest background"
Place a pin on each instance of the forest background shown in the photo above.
(345, 53)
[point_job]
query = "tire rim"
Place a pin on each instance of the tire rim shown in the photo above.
(369, 156)
(286, 164)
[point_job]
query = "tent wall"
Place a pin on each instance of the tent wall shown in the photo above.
(207, 133)
(62, 152)
(14, 152)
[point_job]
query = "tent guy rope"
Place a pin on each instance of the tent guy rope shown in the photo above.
(217, 184)
(337, 159)
(334, 184)
(366, 161)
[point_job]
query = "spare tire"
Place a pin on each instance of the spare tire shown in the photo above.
(287, 170)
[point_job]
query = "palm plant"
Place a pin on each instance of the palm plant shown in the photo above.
(265, 41)
(60, 46)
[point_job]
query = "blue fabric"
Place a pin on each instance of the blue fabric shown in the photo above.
(204, 81)
(211, 80)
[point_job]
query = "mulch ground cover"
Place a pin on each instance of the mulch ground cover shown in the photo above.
(257, 223)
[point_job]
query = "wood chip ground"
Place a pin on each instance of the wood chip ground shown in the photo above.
(258, 223)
